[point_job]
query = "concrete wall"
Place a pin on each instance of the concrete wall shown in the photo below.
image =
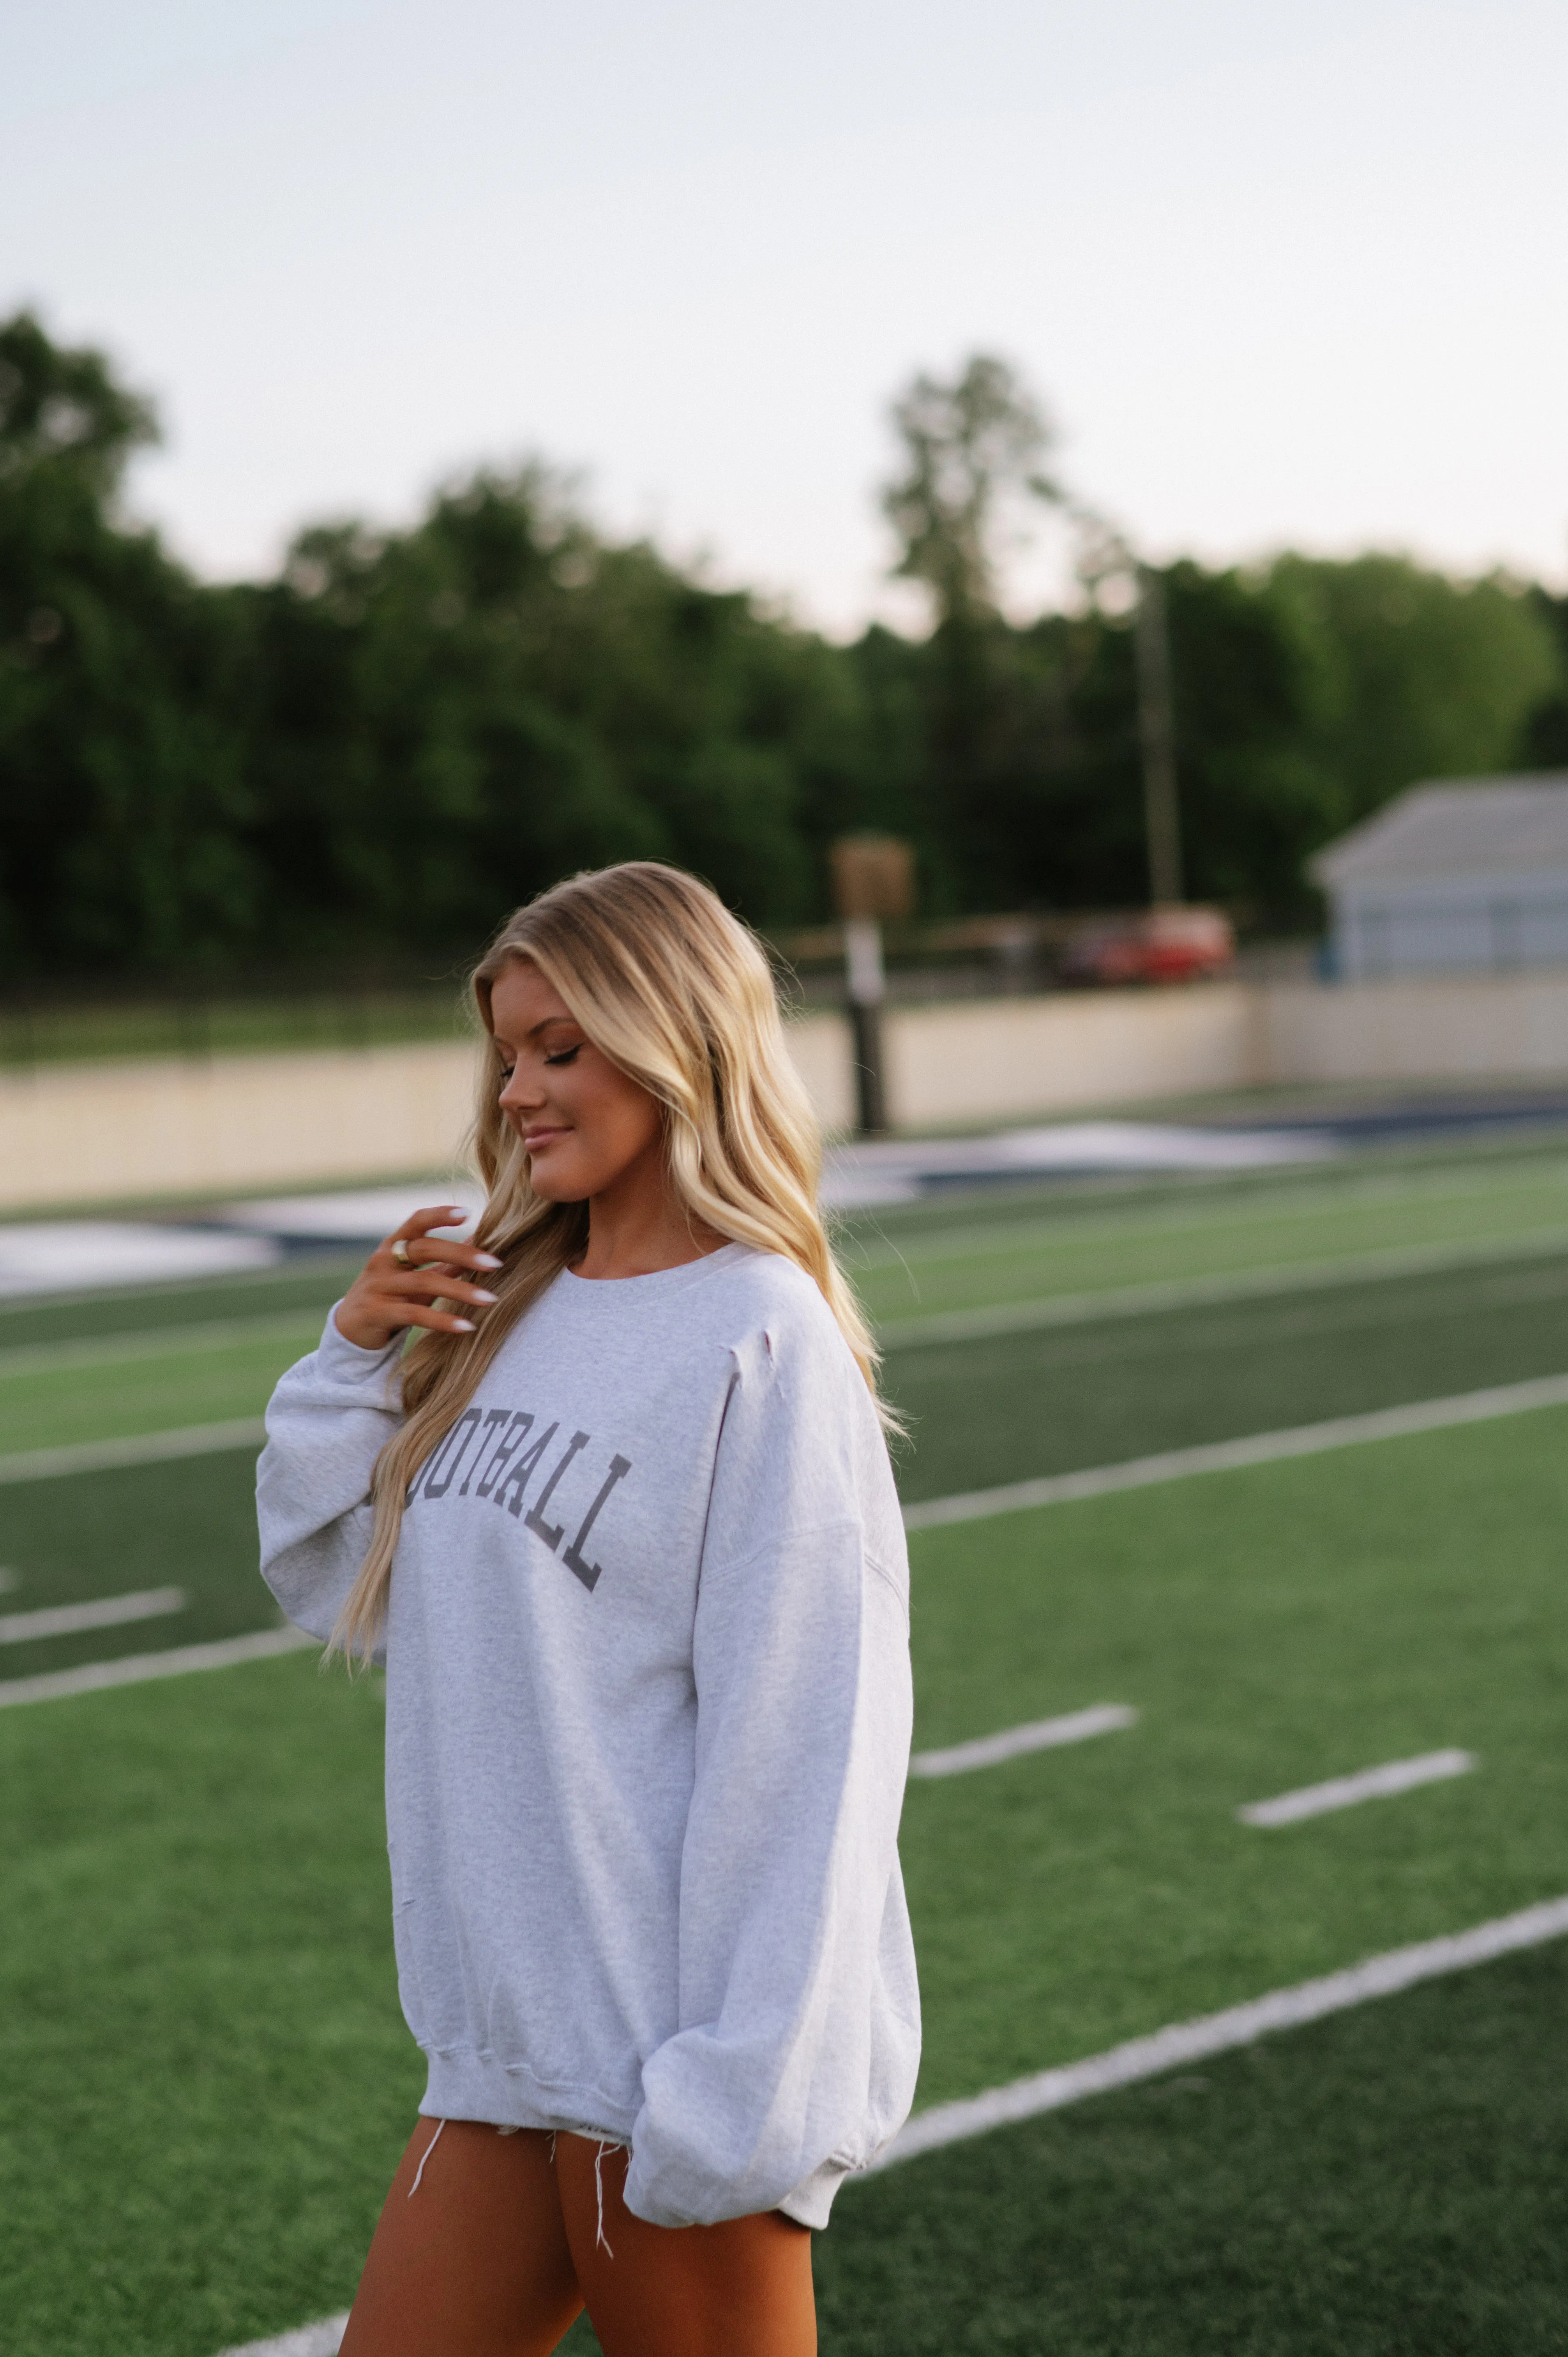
(76, 1133)
(79, 1134)
(1477, 1027)
(986, 1060)
(238, 1124)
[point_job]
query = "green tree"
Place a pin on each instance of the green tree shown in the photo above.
(445, 720)
(121, 809)
(1545, 745)
(1415, 674)
(974, 448)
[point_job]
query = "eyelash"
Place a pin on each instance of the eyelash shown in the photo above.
(561, 1056)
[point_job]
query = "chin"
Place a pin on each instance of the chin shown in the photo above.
(555, 1186)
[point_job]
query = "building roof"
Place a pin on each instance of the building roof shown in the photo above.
(1458, 828)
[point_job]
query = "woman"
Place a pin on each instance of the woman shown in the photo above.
(621, 1525)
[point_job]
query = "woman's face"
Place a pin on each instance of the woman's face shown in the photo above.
(586, 1125)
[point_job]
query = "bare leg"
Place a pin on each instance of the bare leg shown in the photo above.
(476, 2262)
(740, 2289)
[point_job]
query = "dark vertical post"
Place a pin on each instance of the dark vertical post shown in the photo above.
(874, 878)
(1162, 812)
(867, 988)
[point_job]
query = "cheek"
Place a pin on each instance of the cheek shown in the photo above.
(618, 1117)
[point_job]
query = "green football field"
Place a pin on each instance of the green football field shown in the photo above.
(205, 2079)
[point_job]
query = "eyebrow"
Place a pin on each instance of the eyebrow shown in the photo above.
(535, 1029)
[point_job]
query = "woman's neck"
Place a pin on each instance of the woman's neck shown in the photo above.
(638, 1226)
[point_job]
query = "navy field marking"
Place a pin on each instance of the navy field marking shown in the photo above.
(502, 1475)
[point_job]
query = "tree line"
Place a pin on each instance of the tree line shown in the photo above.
(374, 754)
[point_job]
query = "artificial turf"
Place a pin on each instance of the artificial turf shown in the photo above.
(190, 1524)
(913, 1262)
(164, 1386)
(1391, 2183)
(1272, 1627)
(309, 1283)
(1012, 1406)
(204, 2076)
(204, 2079)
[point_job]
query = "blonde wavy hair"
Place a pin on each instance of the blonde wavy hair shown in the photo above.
(679, 994)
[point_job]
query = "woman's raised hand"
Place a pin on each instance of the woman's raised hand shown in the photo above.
(396, 1289)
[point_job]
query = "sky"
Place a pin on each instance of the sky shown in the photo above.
(1282, 275)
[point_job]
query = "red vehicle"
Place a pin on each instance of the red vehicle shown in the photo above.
(1175, 945)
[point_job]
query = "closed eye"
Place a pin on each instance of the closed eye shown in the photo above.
(564, 1055)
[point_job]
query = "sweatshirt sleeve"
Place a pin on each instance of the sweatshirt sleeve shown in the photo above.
(327, 1423)
(799, 2035)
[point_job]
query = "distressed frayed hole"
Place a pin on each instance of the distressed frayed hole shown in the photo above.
(424, 2157)
(514, 2132)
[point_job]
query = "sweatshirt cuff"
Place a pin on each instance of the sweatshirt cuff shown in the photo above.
(348, 1361)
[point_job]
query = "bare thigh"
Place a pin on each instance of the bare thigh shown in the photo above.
(507, 2236)
(476, 2263)
(739, 2290)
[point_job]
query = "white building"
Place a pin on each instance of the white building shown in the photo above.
(1468, 877)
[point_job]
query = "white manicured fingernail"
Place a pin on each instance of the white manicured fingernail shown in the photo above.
(479, 1295)
(487, 1260)
(462, 1325)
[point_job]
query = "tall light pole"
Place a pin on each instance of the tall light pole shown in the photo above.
(1162, 810)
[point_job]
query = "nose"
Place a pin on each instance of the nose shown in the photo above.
(522, 1093)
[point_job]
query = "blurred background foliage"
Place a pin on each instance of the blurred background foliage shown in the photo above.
(377, 753)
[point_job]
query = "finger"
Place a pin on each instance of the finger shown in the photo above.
(433, 1215)
(416, 1230)
(438, 1321)
(439, 1252)
(433, 1284)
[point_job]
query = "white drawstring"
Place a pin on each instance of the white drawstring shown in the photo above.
(424, 2157)
(599, 2152)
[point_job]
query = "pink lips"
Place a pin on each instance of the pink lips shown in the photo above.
(534, 1139)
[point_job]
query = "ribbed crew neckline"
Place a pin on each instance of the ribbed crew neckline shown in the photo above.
(658, 1281)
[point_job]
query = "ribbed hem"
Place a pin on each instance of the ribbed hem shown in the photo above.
(464, 2084)
(810, 2203)
(467, 2086)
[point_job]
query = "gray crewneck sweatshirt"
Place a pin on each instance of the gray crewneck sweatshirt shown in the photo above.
(648, 1726)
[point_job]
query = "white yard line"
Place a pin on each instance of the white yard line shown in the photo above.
(158, 1343)
(1039, 1735)
(134, 1669)
(321, 2340)
(1231, 1456)
(1219, 2033)
(1369, 1784)
(974, 1505)
(1279, 1205)
(137, 1448)
(1204, 1292)
(102, 1612)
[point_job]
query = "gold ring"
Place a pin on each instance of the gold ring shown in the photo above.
(399, 1252)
